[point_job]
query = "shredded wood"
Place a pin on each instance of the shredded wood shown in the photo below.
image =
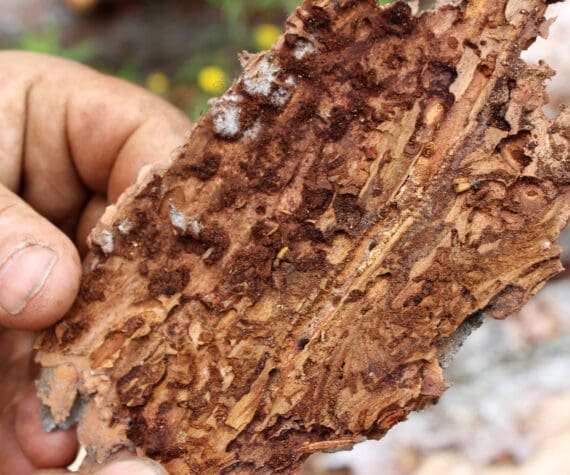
(293, 282)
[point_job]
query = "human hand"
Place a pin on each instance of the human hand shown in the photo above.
(71, 140)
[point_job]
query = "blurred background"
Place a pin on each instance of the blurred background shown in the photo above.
(184, 50)
(508, 411)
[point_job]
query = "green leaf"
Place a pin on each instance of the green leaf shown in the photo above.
(48, 41)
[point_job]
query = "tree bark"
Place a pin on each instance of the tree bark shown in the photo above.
(293, 281)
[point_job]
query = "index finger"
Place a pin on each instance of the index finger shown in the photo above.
(82, 131)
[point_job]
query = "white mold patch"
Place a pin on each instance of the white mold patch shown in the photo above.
(226, 115)
(253, 131)
(195, 227)
(281, 96)
(180, 222)
(284, 92)
(260, 81)
(177, 219)
(291, 81)
(125, 226)
(303, 48)
(105, 240)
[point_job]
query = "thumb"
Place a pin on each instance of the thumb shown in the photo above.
(39, 267)
(136, 466)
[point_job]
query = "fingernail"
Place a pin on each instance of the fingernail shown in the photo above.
(23, 275)
(133, 467)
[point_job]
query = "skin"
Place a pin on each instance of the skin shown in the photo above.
(71, 141)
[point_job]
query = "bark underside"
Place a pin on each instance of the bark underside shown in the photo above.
(291, 282)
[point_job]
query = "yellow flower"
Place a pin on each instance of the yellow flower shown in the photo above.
(265, 35)
(158, 83)
(212, 80)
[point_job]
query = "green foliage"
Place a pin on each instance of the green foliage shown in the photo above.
(48, 41)
(129, 72)
(236, 11)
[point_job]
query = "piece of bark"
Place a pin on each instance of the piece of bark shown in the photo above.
(290, 283)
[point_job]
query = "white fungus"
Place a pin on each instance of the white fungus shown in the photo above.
(195, 227)
(253, 131)
(180, 222)
(226, 112)
(105, 240)
(177, 218)
(302, 48)
(226, 121)
(260, 80)
(291, 81)
(125, 226)
(281, 96)
(263, 77)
